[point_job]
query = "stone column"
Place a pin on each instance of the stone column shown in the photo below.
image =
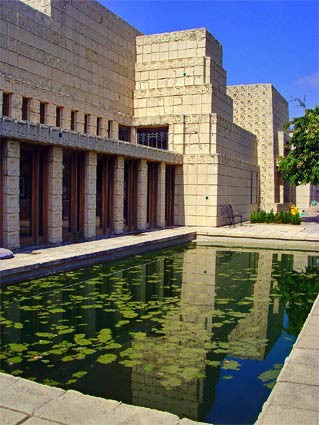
(16, 106)
(161, 194)
(133, 135)
(11, 207)
(66, 121)
(34, 111)
(115, 131)
(50, 114)
(104, 128)
(118, 194)
(142, 194)
(90, 195)
(55, 173)
(92, 124)
(79, 122)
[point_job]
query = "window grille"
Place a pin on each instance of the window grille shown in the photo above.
(153, 137)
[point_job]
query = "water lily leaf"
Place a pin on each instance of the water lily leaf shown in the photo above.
(16, 372)
(217, 325)
(113, 346)
(57, 310)
(71, 381)
(230, 365)
(171, 382)
(238, 314)
(106, 358)
(45, 334)
(148, 368)
(79, 374)
(15, 359)
(172, 369)
(130, 363)
(17, 348)
(44, 342)
(190, 373)
(213, 363)
(104, 335)
(220, 351)
(121, 323)
(87, 351)
(68, 358)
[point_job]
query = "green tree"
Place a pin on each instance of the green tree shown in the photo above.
(301, 165)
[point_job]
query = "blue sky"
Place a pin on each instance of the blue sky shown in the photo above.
(263, 41)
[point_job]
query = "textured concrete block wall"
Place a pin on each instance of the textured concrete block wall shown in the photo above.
(259, 108)
(11, 208)
(55, 183)
(174, 75)
(237, 186)
(77, 55)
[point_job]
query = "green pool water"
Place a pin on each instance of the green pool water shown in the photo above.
(198, 331)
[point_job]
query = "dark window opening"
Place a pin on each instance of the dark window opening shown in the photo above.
(73, 118)
(43, 110)
(98, 126)
(109, 129)
(58, 117)
(153, 137)
(6, 103)
(86, 123)
(124, 133)
(25, 109)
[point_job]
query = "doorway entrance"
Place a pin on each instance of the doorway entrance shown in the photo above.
(169, 195)
(73, 194)
(33, 194)
(130, 195)
(104, 194)
(152, 181)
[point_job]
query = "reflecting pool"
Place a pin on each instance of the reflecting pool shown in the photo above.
(198, 331)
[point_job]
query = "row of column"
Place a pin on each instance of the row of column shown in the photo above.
(11, 212)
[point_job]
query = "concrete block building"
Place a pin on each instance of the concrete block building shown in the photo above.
(105, 130)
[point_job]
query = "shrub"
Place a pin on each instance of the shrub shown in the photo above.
(282, 217)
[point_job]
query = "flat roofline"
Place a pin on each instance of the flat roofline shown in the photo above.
(200, 29)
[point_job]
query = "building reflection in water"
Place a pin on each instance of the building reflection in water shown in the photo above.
(208, 275)
(203, 294)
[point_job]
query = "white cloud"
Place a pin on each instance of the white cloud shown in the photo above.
(311, 80)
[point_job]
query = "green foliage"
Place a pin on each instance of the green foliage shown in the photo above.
(301, 165)
(282, 217)
(299, 291)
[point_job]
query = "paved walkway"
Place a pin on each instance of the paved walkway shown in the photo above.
(295, 397)
(31, 263)
(29, 403)
(306, 231)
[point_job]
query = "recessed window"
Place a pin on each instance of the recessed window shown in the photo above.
(43, 113)
(86, 122)
(156, 137)
(73, 120)
(98, 126)
(59, 116)
(109, 129)
(6, 104)
(26, 108)
(124, 133)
